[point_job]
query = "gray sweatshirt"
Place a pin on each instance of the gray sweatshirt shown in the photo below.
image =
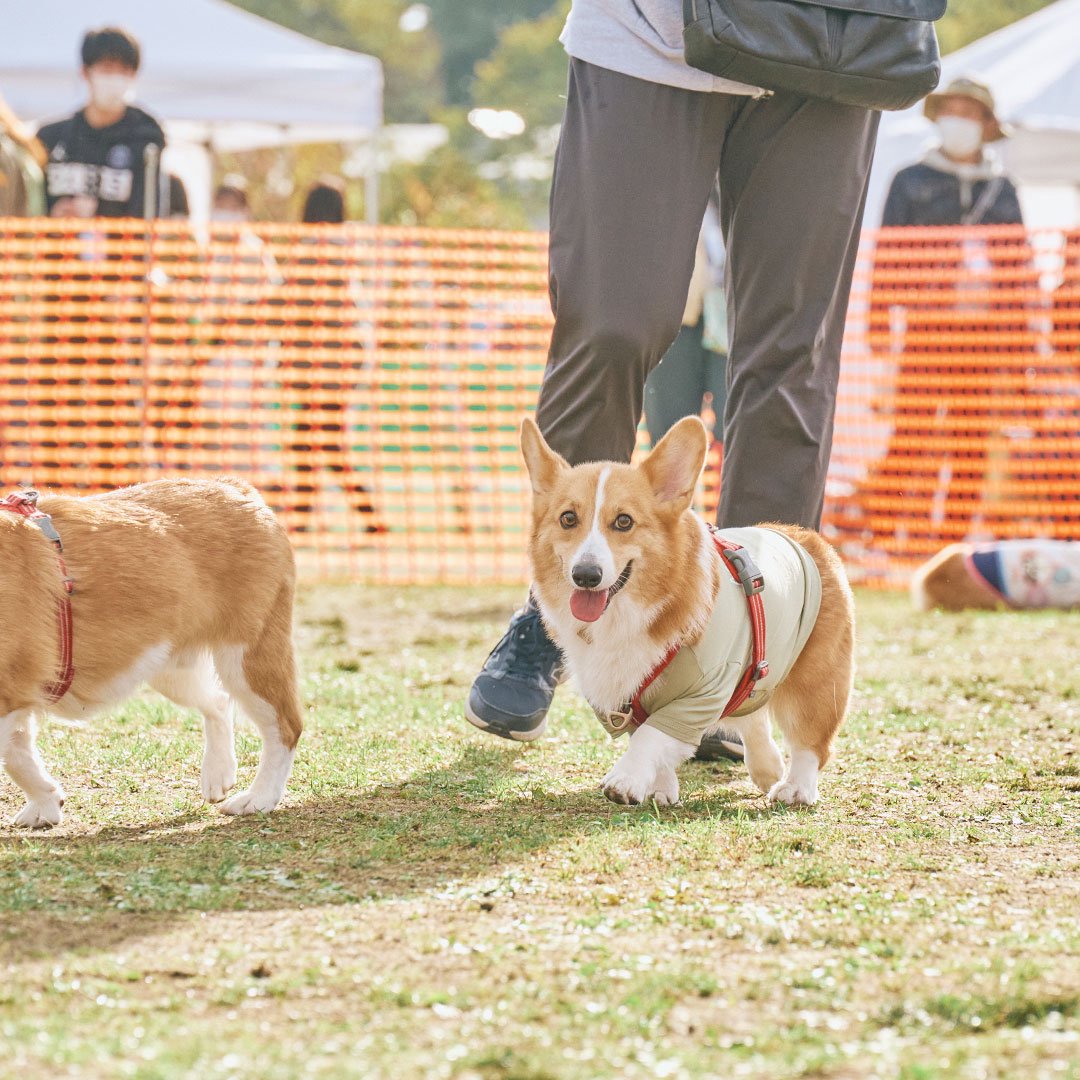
(642, 38)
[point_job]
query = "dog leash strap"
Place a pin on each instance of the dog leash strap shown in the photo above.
(24, 503)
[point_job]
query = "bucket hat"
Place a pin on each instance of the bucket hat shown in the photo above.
(976, 91)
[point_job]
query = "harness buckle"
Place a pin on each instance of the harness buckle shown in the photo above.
(761, 669)
(750, 577)
(618, 722)
(44, 523)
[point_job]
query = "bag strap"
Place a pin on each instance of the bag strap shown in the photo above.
(983, 203)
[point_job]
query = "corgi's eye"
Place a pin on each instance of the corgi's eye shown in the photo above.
(624, 523)
(568, 519)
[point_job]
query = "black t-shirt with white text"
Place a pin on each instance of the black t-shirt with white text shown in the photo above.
(107, 164)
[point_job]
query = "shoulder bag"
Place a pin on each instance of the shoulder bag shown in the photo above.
(878, 54)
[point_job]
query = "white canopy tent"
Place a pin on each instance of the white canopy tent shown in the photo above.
(1033, 69)
(217, 77)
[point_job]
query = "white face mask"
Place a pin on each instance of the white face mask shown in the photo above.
(960, 137)
(111, 92)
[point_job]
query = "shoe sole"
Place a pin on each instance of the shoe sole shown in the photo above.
(502, 733)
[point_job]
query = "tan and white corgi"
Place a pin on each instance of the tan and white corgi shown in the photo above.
(186, 585)
(655, 615)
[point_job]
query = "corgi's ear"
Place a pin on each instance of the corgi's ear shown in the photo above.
(676, 462)
(543, 463)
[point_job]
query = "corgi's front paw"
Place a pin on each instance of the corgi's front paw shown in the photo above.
(217, 779)
(41, 813)
(629, 787)
(665, 788)
(249, 802)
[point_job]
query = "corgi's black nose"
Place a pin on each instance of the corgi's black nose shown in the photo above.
(587, 575)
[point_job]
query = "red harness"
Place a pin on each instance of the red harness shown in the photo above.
(737, 559)
(24, 503)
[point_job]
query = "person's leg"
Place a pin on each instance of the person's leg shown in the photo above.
(633, 171)
(676, 386)
(793, 180)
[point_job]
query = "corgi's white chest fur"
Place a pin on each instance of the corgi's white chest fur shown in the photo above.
(608, 662)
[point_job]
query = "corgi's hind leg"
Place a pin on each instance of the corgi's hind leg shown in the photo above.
(261, 677)
(763, 759)
(44, 796)
(809, 718)
(191, 682)
(811, 702)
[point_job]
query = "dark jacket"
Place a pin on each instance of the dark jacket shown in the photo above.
(107, 163)
(924, 195)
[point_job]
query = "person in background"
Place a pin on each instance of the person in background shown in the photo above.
(176, 200)
(324, 447)
(959, 181)
(231, 200)
(22, 157)
(325, 202)
(22, 194)
(104, 158)
(696, 363)
(104, 163)
(960, 323)
(243, 280)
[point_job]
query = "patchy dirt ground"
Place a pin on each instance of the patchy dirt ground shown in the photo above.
(434, 903)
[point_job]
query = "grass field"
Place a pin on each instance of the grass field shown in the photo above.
(430, 902)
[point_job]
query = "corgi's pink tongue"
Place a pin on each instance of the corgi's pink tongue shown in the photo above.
(587, 605)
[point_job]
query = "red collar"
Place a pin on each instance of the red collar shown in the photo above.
(737, 559)
(24, 503)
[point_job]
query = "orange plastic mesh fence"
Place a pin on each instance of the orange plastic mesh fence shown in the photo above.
(959, 405)
(370, 382)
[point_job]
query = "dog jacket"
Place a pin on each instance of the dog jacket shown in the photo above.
(1029, 573)
(689, 695)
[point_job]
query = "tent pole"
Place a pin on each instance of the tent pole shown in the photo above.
(371, 181)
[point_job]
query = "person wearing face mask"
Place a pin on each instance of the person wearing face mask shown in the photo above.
(958, 182)
(953, 315)
(243, 277)
(104, 158)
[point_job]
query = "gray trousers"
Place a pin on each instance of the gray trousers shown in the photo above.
(633, 171)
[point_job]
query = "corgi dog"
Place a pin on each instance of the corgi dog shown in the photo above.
(186, 585)
(666, 625)
(1032, 574)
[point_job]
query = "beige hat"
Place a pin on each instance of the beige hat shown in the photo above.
(976, 91)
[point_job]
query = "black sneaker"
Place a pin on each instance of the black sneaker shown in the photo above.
(512, 694)
(720, 746)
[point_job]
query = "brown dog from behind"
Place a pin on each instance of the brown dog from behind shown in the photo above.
(183, 584)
